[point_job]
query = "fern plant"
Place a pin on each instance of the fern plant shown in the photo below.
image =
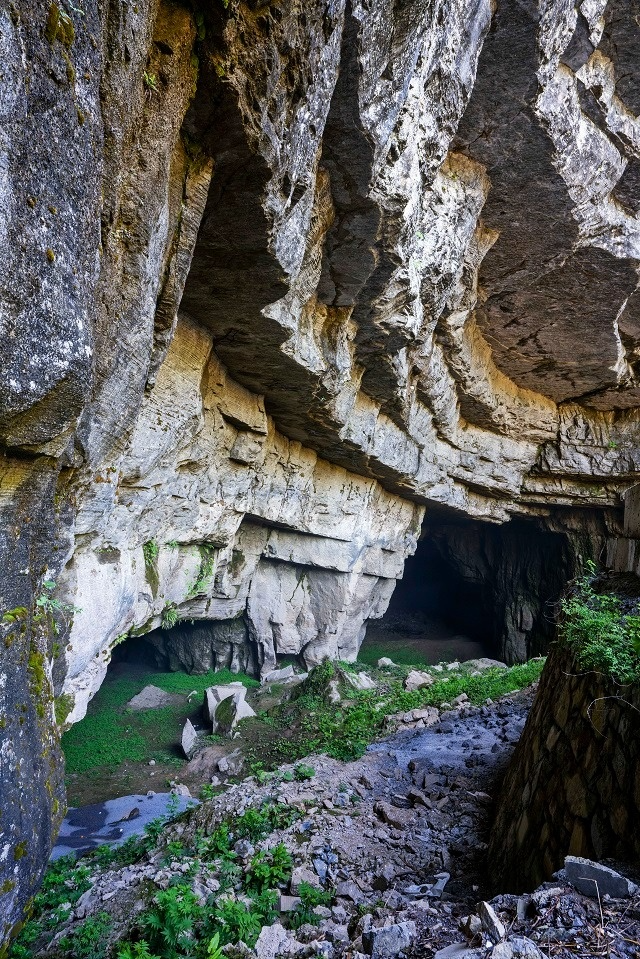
(603, 637)
(170, 925)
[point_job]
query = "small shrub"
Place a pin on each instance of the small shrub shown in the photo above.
(302, 772)
(269, 869)
(310, 897)
(169, 926)
(89, 940)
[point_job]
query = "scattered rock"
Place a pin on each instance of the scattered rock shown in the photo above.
(278, 675)
(232, 764)
(302, 874)
(471, 926)
(418, 680)
(350, 890)
(384, 878)
(384, 662)
(518, 947)
(400, 818)
(360, 681)
(214, 695)
(288, 903)
(459, 950)
(188, 739)
(230, 711)
(491, 924)
(591, 878)
(269, 941)
(379, 943)
(483, 663)
(181, 790)
(152, 697)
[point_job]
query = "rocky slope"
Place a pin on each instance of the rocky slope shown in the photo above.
(390, 848)
(275, 278)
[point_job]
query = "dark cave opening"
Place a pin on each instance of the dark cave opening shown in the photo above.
(475, 589)
(194, 647)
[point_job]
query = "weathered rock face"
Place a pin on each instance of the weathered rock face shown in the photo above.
(573, 787)
(301, 270)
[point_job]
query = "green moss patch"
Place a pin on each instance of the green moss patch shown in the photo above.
(112, 735)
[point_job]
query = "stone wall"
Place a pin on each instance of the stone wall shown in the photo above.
(573, 786)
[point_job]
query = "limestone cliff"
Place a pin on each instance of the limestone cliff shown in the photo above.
(276, 276)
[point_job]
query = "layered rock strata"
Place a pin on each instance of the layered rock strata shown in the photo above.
(403, 243)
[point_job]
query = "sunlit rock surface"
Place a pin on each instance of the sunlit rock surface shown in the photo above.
(275, 278)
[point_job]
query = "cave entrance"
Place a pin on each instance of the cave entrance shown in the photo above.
(194, 647)
(474, 589)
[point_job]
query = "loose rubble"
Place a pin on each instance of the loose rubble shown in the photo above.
(397, 840)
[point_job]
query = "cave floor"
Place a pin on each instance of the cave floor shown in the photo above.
(417, 639)
(116, 751)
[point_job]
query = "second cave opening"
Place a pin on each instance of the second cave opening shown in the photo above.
(474, 589)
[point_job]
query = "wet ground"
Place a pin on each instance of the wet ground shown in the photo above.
(113, 821)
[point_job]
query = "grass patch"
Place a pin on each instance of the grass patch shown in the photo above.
(310, 723)
(603, 637)
(371, 652)
(111, 734)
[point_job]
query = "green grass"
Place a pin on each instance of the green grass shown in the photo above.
(111, 735)
(310, 723)
(370, 653)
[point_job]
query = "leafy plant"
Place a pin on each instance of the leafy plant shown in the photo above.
(238, 921)
(51, 607)
(603, 637)
(169, 616)
(63, 884)
(310, 897)
(135, 950)
(150, 81)
(150, 549)
(205, 570)
(269, 869)
(302, 771)
(89, 939)
(170, 924)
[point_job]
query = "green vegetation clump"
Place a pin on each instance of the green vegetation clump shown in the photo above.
(63, 884)
(602, 636)
(90, 939)
(170, 616)
(205, 570)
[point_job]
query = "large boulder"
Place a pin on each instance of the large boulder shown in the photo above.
(230, 711)
(214, 695)
(152, 697)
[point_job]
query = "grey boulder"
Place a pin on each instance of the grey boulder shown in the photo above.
(593, 879)
(388, 940)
